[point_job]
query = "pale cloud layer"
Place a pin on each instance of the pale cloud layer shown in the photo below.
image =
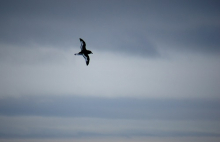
(51, 71)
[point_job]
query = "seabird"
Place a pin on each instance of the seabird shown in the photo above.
(84, 52)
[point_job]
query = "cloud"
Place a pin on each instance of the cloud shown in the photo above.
(52, 71)
(131, 27)
(115, 108)
(73, 117)
(200, 39)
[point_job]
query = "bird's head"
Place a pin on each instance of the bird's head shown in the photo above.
(90, 52)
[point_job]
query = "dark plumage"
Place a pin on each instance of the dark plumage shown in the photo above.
(84, 52)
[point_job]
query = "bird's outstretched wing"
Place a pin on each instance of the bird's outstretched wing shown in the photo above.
(86, 58)
(83, 44)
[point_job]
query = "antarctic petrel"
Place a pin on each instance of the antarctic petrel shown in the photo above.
(84, 52)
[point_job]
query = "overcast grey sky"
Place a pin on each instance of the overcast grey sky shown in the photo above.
(153, 75)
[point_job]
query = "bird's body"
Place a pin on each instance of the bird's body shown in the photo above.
(85, 53)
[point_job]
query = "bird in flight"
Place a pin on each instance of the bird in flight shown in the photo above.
(84, 52)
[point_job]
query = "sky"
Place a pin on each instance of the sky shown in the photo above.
(153, 75)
